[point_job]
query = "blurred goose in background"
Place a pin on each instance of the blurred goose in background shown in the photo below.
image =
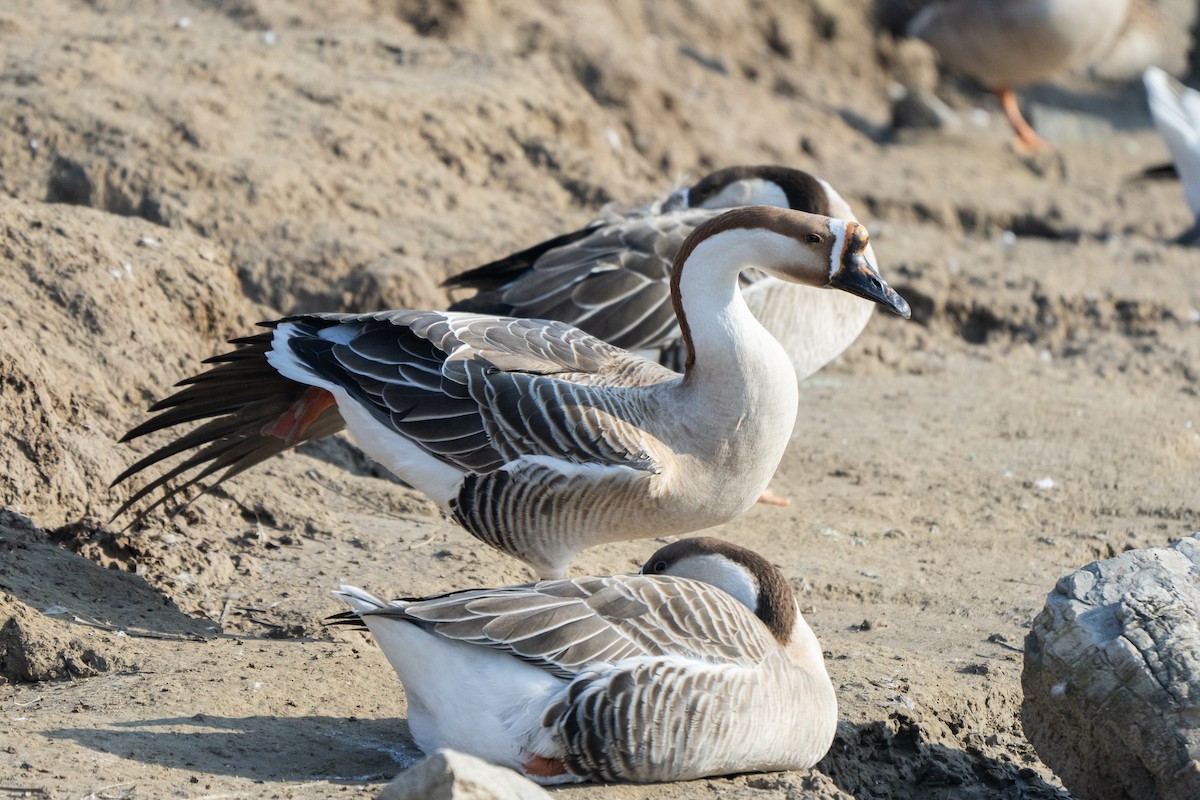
(1008, 43)
(700, 665)
(1176, 112)
(611, 278)
(537, 438)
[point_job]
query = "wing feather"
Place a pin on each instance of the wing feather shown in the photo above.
(562, 626)
(613, 282)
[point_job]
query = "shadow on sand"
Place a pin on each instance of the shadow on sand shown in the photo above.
(260, 747)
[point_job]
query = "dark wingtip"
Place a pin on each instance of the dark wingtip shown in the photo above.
(349, 619)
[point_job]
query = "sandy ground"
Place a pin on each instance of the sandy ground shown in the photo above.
(166, 184)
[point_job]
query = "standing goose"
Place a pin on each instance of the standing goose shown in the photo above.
(537, 438)
(1176, 112)
(701, 665)
(1007, 43)
(612, 277)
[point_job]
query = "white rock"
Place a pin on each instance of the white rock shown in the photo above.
(451, 775)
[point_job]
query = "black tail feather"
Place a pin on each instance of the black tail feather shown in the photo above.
(241, 396)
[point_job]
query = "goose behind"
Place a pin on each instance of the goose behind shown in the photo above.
(1009, 43)
(538, 439)
(611, 278)
(701, 665)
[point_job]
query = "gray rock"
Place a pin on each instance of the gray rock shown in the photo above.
(451, 775)
(1112, 676)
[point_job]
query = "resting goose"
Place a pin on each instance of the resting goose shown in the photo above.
(701, 665)
(1007, 43)
(537, 438)
(612, 277)
(1176, 112)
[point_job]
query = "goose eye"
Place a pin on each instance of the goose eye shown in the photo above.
(658, 567)
(813, 238)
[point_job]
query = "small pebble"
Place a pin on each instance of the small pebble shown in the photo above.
(614, 139)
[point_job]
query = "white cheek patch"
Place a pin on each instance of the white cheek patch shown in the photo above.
(749, 192)
(838, 228)
(719, 571)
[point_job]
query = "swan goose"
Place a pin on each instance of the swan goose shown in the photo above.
(700, 665)
(1007, 43)
(537, 438)
(1176, 112)
(612, 277)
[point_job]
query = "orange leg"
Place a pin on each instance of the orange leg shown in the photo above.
(544, 767)
(1027, 141)
(291, 425)
(769, 498)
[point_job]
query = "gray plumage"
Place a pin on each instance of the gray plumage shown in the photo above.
(655, 677)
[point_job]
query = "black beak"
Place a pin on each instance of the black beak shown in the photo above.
(858, 277)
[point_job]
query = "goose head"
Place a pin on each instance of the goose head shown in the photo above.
(743, 574)
(791, 245)
(751, 580)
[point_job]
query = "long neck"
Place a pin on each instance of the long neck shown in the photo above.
(719, 332)
(738, 379)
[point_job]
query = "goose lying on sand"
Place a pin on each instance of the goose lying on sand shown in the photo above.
(612, 278)
(1007, 43)
(701, 665)
(537, 438)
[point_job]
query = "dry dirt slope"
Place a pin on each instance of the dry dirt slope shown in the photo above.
(166, 186)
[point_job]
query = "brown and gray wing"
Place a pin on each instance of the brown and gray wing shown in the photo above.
(472, 391)
(613, 283)
(566, 625)
(548, 389)
(474, 395)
